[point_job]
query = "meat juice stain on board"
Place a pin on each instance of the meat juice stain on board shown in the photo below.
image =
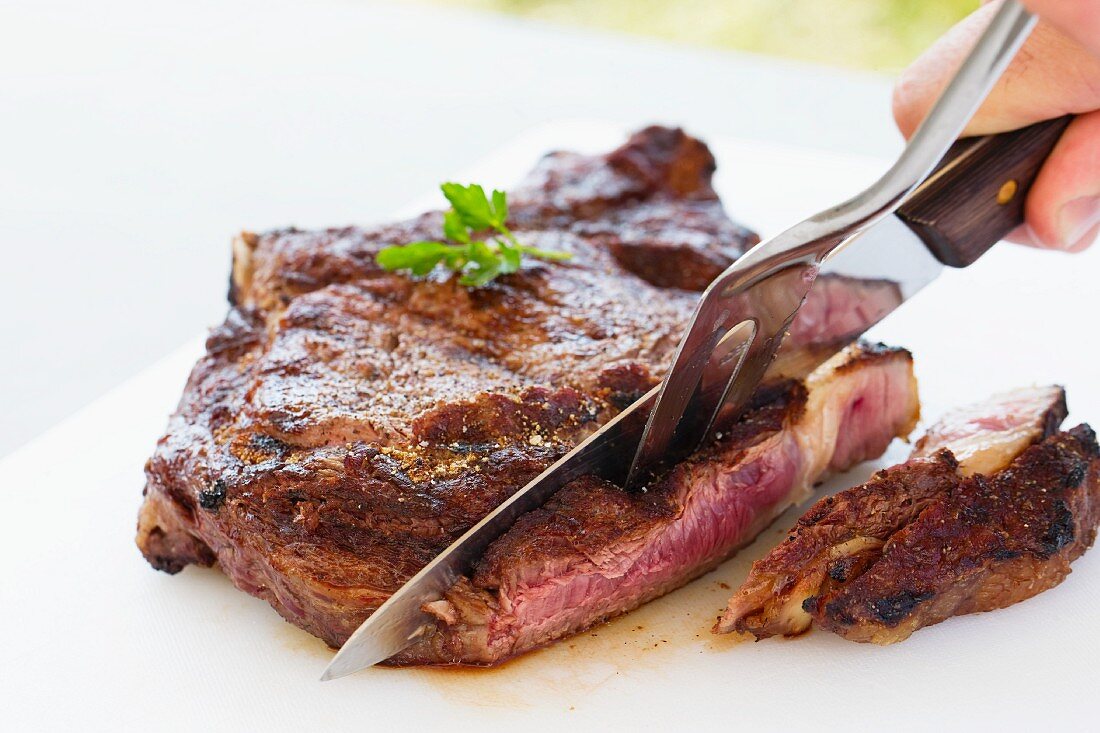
(670, 629)
(665, 632)
(303, 643)
(675, 626)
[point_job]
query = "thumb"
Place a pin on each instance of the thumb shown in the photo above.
(1051, 76)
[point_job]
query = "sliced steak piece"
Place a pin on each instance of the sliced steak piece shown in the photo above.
(347, 423)
(843, 534)
(595, 551)
(986, 436)
(991, 542)
(836, 537)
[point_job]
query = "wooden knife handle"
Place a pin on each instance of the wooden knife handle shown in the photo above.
(976, 194)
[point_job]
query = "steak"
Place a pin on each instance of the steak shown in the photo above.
(932, 537)
(346, 423)
(595, 551)
(994, 541)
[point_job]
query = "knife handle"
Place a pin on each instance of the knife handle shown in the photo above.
(975, 196)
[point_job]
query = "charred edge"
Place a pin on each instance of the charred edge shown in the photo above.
(1085, 437)
(786, 395)
(268, 444)
(872, 353)
(1061, 531)
(1076, 475)
(815, 514)
(835, 610)
(840, 569)
(948, 458)
(160, 561)
(893, 609)
(213, 496)
(462, 447)
(1057, 413)
(233, 295)
(791, 390)
(1089, 436)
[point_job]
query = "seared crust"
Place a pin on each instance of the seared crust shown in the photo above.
(831, 542)
(842, 535)
(991, 542)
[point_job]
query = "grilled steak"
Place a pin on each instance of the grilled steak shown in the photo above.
(347, 423)
(921, 542)
(835, 539)
(842, 534)
(991, 542)
(595, 551)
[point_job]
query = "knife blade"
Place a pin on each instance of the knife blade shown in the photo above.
(863, 239)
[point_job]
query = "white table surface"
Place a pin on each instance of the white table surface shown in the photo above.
(137, 136)
(93, 639)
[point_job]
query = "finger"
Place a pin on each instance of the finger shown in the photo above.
(1022, 235)
(1051, 76)
(1063, 206)
(1077, 20)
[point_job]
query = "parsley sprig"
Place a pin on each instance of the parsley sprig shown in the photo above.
(479, 261)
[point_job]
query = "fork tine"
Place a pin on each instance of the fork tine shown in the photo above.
(735, 334)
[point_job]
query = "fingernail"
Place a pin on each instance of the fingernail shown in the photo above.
(1076, 220)
(1086, 241)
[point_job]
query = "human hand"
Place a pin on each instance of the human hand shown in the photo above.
(1057, 72)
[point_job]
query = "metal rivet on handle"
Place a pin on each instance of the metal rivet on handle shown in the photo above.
(1007, 192)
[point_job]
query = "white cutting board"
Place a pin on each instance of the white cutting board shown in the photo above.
(94, 639)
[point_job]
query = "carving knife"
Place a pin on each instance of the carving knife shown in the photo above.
(929, 210)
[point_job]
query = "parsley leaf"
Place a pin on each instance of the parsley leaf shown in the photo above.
(479, 261)
(500, 206)
(420, 257)
(454, 229)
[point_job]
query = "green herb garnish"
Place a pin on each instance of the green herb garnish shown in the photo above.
(479, 261)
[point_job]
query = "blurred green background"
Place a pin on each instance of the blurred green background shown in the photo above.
(882, 35)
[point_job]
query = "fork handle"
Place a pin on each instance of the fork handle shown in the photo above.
(975, 196)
